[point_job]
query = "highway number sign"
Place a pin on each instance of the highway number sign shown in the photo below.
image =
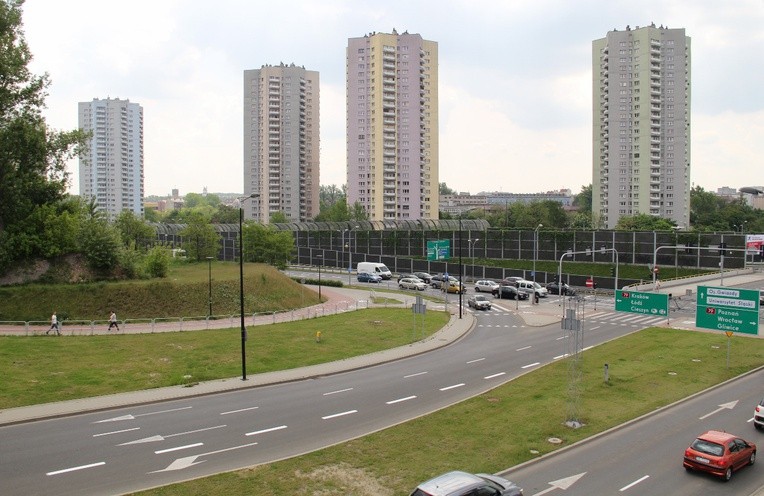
(642, 302)
(728, 309)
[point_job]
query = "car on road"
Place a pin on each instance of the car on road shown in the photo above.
(479, 302)
(509, 293)
(410, 276)
(458, 483)
(557, 288)
(485, 285)
(437, 280)
(511, 281)
(758, 415)
(454, 287)
(719, 453)
(424, 276)
(761, 297)
(532, 287)
(412, 283)
(366, 277)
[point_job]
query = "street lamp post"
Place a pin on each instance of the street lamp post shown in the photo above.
(320, 258)
(535, 255)
(241, 285)
(209, 278)
(471, 245)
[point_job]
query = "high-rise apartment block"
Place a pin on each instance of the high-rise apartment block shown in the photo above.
(111, 169)
(281, 142)
(641, 125)
(392, 126)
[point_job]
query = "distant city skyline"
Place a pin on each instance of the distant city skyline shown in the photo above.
(514, 80)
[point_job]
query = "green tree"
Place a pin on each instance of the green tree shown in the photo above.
(644, 222)
(134, 231)
(583, 200)
(265, 244)
(357, 212)
(32, 156)
(200, 239)
(158, 261)
(100, 243)
(225, 214)
(445, 190)
(279, 218)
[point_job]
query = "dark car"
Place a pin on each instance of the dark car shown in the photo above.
(719, 453)
(437, 280)
(555, 288)
(511, 280)
(424, 276)
(366, 277)
(510, 293)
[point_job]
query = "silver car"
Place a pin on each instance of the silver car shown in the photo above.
(412, 283)
(479, 302)
(459, 483)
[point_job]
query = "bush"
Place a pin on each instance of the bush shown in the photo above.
(157, 262)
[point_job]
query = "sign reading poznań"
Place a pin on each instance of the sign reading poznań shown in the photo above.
(641, 302)
(727, 309)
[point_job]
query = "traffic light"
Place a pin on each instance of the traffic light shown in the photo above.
(612, 271)
(594, 285)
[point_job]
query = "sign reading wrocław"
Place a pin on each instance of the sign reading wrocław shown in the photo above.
(728, 309)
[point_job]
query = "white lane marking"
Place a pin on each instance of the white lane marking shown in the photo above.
(476, 360)
(81, 467)
(240, 410)
(131, 417)
(189, 461)
(116, 432)
(392, 402)
(339, 414)
(494, 375)
(414, 375)
(338, 391)
(560, 356)
(595, 328)
(530, 365)
(629, 486)
(561, 337)
(524, 348)
(178, 448)
(159, 437)
(263, 431)
(452, 387)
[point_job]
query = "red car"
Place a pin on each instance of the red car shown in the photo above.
(719, 453)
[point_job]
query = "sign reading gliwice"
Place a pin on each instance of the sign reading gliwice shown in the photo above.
(642, 302)
(727, 309)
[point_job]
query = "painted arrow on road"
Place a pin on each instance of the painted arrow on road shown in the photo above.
(561, 483)
(190, 461)
(133, 417)
(723, 406)
(158, 437)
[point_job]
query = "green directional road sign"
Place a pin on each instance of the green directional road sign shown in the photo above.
(728, 309)
(438, 250)
(641, 302)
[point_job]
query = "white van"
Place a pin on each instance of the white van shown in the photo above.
(532, 287)
(379, 269)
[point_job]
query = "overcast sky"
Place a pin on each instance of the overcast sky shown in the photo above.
(515, 80)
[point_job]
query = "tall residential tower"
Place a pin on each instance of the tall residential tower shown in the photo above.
(111, 170)
(281, 142)
(641, 125)
(392, 126)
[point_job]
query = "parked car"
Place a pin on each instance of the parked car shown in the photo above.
(410, 276)
(479, 302)
(424, 276)
(486, 286)
(758, 415)
(557, 288)
(412, 283)
(761, 297)
(454, 287)
(510, 293)
(437, 280)
(511, 281)
(459, 483)
(366, 277)
(719, 453)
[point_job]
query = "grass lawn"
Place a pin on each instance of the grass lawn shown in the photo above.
(40, 369)
(648, 369)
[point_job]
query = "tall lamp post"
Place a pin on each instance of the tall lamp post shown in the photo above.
(241, 285)
(535, 255)
(209, 278)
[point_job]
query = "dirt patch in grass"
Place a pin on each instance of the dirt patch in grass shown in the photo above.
(345, 479)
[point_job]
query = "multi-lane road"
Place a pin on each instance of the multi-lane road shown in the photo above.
(130, 449)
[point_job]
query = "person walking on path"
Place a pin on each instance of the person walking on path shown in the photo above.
(113, 321)
(54, 325)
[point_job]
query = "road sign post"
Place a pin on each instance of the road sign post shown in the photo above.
(727, 309)
(642, 302)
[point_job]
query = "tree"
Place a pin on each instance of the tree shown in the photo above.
(445, 190)
(644, 222)
(134, 230)
(200, 239)
(100, 243)
(32, 156)
(265, 244)
(279, 218)
(583, 200)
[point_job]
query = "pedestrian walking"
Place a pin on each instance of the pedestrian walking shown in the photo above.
(113, 321)
(54, 325)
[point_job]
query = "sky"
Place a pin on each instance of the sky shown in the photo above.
(515, 80)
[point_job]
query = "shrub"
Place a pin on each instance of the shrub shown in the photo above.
(157, 262)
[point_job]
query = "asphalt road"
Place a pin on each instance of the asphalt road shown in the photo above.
(645, 457)
(135, 448)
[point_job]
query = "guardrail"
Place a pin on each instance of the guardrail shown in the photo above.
(178, 324)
